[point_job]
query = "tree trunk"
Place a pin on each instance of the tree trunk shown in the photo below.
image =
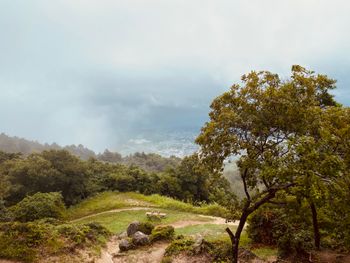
(236, 237)
(317, 237)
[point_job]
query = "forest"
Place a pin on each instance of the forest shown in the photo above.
(290, 189)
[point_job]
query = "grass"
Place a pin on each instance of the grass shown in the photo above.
(205, 230)
(172, 204)
(112, 200)
(104, 202)
(265, 252)
(117, 222)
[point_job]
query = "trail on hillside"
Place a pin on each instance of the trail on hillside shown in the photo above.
(111, 211)
(153, 253)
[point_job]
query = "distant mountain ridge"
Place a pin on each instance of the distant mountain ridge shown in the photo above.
(149, 162)
(24, 146)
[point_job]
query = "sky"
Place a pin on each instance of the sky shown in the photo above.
(113, 73)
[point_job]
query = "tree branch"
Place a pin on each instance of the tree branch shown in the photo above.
(232, 236)
(245, 183)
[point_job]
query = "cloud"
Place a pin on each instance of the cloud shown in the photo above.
(102, 72)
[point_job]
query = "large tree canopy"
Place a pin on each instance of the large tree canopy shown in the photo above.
(282, 131)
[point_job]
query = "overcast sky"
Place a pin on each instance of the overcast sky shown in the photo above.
(103, 72)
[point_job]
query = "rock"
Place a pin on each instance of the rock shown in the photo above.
(133, 228)
(198, 245)
(125, 245)
(248, 256)
(140, 239)
(122, 235)
(162, 233)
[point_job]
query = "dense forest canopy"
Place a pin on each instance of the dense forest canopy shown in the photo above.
(148, 161)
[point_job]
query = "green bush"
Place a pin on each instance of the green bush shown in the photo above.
(21, 240)
(5, 214)
(27, 241)
(261, 225)
(146, 228)
(81, 234)
(179, 245)
(219, 249)
(285, 227)
(39, 205)
(162, 233)
(295, 242)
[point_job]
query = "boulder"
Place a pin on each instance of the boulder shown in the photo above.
(133, 228)
(198, 245)
(140, 239)
(125, 245)
(248, 256)
(162, 233)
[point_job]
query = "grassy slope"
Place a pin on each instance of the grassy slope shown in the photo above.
(176, 211)
(118, 222)
(112, 200)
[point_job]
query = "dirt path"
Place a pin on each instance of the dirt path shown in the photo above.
(151, 254)
(112, 211)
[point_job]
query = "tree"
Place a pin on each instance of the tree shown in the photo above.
(38, 206)
(268, 122)
(5, 184)
(50, 171)
(193, 180)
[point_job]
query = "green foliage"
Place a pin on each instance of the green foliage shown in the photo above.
(26, 147)
(179, 245)
(206, 230)
(5, 214)
(288, 227)
(162, 233)
(336, 215)
(112, 200)
(146, 227)
(151, 162)
(299, 148)
(39, 205)
(29, 241)
(261, 225)
(295, 242)
(50, 171)
(81, 234)
(220, 249)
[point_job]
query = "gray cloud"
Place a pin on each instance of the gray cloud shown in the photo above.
(103, 72)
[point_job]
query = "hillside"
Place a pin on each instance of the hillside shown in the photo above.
(148, 161)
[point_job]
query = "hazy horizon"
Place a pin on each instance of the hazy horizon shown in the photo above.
(133, 75)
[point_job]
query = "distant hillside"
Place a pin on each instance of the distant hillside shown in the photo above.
(24, 146)
(231, 173)
(149, 162)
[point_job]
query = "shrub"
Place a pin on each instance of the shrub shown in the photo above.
(162, 233)
(80, 234)
(5, 214)
(146, 228)
(284, 227)
(20, 240)
(39, 205)
(219, 249)
(261, 225)
(295, 242)
(179, 245)
(27, 241)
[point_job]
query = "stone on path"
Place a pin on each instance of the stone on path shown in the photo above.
(133, 228)
(140, 239)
